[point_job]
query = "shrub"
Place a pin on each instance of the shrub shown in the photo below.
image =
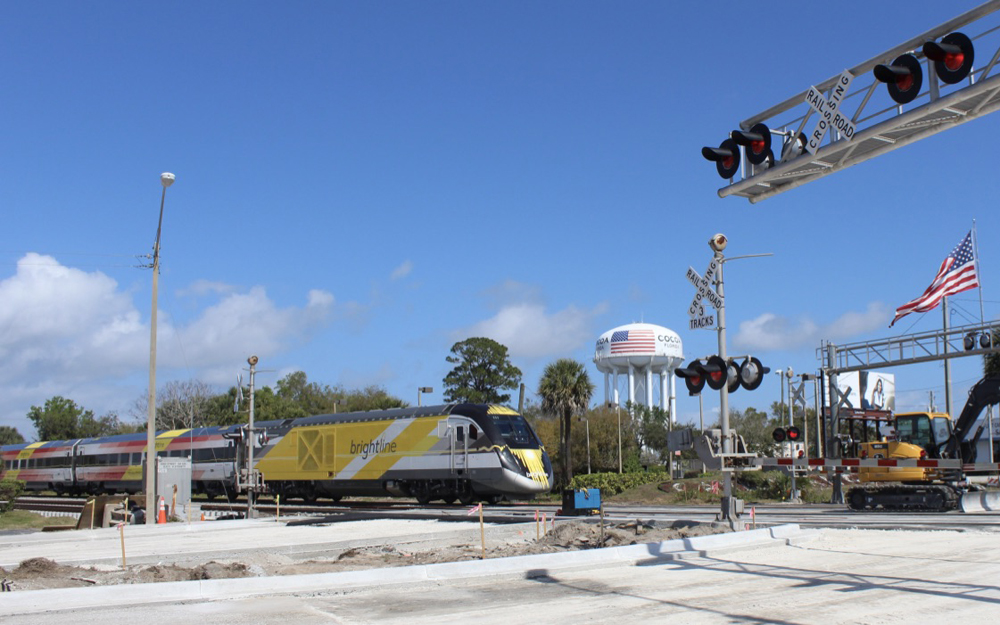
(10, 490)
(615, 483)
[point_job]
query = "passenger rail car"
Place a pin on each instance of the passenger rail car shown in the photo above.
(114, 464)
(464, 452)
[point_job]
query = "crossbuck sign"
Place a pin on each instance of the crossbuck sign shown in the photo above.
(700, 320)
(829, 112)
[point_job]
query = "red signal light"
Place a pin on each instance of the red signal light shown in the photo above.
(903, 78)
(953, 57)
(757, 142)
(726, 158)
(793, 433)
(717, 370)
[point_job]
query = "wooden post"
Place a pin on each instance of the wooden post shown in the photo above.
(482, 530)
(121, 530)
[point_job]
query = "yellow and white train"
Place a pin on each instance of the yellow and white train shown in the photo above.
(464, 452)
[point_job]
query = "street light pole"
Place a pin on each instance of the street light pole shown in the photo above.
(423, 389)
(618, 413)
(586, 423)
(166, 179)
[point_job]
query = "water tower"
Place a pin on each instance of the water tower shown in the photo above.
(640, 351)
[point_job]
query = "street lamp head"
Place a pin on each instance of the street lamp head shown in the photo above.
(252, 360)
(426, 389)
(166, 179)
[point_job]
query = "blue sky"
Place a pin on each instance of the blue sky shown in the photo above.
(360, 185)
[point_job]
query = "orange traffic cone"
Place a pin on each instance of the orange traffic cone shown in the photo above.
(162, 516)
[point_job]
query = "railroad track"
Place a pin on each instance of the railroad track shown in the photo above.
(807, 515)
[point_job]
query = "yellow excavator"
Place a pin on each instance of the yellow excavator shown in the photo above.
(919, 436)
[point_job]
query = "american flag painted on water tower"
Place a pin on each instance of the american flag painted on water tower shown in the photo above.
(632, 341)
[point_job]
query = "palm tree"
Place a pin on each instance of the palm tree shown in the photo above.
(565, 389)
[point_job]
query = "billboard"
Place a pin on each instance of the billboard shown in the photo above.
(868, 390)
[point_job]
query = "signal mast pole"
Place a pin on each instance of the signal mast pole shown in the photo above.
(730, 507)
(251, 477)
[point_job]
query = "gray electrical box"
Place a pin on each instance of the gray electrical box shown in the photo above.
(173, 483)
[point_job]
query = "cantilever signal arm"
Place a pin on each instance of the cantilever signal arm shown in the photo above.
(985, 392)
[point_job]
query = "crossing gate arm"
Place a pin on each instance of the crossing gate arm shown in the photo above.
(820, 464)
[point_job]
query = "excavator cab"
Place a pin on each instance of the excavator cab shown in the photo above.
(929, 431)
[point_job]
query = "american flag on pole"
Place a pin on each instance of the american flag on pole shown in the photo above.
(957, 274)
(633, 340)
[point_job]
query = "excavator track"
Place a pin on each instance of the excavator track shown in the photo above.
(906, 497)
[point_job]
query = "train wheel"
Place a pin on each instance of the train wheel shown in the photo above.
(448, 500)
(423, 499)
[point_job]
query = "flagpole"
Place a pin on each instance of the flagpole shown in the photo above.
(982, 319)
(947, 361)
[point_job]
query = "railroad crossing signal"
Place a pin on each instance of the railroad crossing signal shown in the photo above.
(705, 292)
(932, 85)
(717, 372)
(756, 143)
(791, 434)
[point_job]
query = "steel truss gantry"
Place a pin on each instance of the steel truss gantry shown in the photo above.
(907, 349)
(881, 124)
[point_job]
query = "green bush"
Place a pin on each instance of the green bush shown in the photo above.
(777, 486)
(10, 490)
(615, 483)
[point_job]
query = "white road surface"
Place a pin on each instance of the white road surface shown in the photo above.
(838, 576)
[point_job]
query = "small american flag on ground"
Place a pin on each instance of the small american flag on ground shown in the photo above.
(957, 274)
(632, 341)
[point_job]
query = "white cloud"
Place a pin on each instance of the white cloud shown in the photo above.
(529, 331)
(402, 271)
(773, 332)
(512, 291)
(68, 332)
(199, 288)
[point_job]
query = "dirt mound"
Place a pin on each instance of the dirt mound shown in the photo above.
(569, 535)
(36, 567)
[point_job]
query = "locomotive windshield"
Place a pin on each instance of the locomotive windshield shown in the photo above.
(515, 430)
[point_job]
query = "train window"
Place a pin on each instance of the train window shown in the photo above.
(473, 433)
(136, 459)
(515, 431)
(460, 434)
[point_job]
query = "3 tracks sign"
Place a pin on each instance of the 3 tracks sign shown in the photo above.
(699, 318)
